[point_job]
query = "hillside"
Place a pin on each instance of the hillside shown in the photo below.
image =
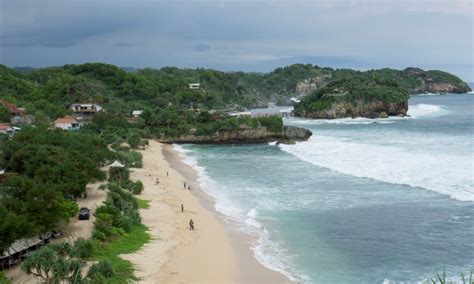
(374, 93)
(46, 92)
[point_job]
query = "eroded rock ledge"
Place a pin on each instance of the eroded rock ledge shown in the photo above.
(288, 135)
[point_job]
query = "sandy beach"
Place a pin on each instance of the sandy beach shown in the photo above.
(208, 254)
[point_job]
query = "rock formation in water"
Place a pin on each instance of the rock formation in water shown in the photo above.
(245, 135)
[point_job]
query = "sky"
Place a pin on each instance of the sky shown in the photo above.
(240, 35)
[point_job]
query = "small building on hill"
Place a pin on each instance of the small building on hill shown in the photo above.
(6, 128)
(86, 111)
(137, 113)
(12, 108)
(239, 113)
(22, 119)
(67, 123)
(194, 86)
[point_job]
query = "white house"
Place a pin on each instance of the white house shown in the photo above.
(66, 123)
(194, 86)
(137, 113)
(85, 111)
(239, 113)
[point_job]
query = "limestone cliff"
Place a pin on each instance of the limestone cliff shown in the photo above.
(433, 81)
(245, 135)
(374, 109)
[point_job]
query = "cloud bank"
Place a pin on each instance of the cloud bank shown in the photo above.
(240, 35)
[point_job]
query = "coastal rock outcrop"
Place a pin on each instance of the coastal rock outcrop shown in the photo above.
(294, 133)
(433, 81)
(289, 134)
(374, 109)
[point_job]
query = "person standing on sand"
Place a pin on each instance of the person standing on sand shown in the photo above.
(167, 174)
(182, 208)
(189, 187)
(191, 224)
(184, 185)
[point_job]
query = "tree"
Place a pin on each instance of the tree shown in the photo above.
(4, 114)
(53, 264)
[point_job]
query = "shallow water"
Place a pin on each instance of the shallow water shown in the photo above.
(363, 200)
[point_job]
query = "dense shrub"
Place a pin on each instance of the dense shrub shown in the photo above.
(83, 248)
(272, 123)
(118, 175)
(99, 272)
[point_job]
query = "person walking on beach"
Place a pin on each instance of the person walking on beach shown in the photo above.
(167, 174)
(191, 224)
(182, 208)
(189, 187)
(184, 185)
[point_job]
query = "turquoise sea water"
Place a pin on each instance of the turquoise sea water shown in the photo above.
(363, 201)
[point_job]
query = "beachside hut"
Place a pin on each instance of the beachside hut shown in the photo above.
(19, 250)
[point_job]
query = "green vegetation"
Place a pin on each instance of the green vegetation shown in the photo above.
(109, 252)
(143, 203)
(363, 86)
(441, 278)
(4, 279)
(54, 263)
(52, 168)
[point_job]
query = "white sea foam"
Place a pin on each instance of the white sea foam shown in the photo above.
(358, 120)
(448, 174)
(427, 110)
(427, 94)
(273, 143)
(414, 111)
(267, 251)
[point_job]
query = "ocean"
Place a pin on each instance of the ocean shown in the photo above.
(363, 201)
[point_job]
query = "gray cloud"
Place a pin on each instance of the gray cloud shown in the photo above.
(232, 35)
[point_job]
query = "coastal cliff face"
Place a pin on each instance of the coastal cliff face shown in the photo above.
(289, 134)
(375, 109)
(434, 81)
(307, 86)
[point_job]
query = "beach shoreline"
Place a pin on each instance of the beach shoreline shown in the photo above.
(212, 253)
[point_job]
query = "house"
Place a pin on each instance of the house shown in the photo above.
(194, 86)
(22, 119)
(6, 128)
(12, 108)
(239, 113)
(67, 123)
(137, 113)
(85, 111)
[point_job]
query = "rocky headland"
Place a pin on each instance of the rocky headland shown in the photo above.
(244, 135)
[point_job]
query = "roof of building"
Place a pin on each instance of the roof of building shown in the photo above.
(5, 126)
(65, 120)
(116, 164)
(12, 108)
(21, 245)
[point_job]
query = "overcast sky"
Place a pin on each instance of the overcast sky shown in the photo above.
(240, 35)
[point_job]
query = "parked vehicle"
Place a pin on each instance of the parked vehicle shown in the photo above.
(84, 213)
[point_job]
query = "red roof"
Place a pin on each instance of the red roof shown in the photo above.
(12, 108)
(66, 120)
(5, 126)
